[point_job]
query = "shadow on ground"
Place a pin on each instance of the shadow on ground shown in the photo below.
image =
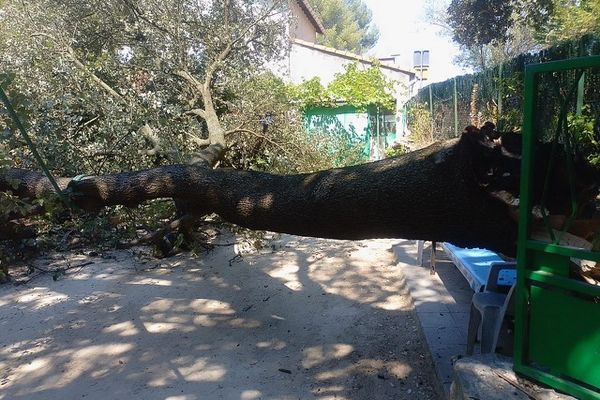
(312, 318)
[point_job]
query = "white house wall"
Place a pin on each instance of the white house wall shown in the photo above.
(306, 63)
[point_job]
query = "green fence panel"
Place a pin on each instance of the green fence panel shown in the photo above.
(495, 94)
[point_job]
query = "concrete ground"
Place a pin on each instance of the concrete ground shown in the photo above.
(442, 302)
(310, 318)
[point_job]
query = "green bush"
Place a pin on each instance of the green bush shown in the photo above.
(396, 150)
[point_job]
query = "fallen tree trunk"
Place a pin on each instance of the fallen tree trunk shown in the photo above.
(445, 192)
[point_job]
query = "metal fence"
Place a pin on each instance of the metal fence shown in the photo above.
(496, 94)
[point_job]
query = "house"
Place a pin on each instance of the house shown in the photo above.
(307, 59)
(307, 24)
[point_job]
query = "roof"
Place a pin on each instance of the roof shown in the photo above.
(312, 15)
(350, 56)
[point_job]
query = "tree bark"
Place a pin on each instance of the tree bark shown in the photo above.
(430, 194)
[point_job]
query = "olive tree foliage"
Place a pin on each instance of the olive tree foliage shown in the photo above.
(520, 39)
(126, 84)
(270, 133)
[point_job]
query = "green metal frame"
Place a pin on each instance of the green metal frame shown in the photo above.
(557, 327)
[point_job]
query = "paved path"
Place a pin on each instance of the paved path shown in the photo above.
(442, 302)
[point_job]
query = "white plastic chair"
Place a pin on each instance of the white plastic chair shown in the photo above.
(488, 309)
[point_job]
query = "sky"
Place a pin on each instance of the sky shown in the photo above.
(403, 29)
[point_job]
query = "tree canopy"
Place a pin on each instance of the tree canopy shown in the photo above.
(479, 22)
(130, 72)
(348, 24)
(569, 20)
(138, 83)
(495, 31)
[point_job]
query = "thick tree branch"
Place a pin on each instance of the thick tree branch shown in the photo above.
(189, 78)
(210, 156)
(28, 184)
(216, 134)
(148, 133)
